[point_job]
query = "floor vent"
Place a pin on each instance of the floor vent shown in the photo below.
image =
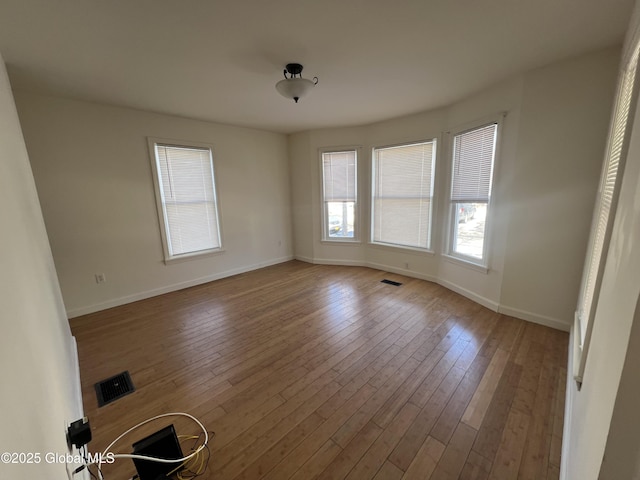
(391, 282)
(113, 388)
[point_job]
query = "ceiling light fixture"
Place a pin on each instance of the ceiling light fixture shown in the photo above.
(295, 87)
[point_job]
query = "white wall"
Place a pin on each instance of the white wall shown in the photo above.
(565, 117)
(622, 452)
(38, 362)
(551, 147)
(93, 173)
(302, 206)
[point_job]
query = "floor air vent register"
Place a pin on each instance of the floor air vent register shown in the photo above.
(390, 282)
(113, 388)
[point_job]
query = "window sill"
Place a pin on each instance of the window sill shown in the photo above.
(405, 249)
(466, 263)
(193, 256)
(325, 241)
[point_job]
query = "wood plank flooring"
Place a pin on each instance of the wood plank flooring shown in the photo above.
(308, 371)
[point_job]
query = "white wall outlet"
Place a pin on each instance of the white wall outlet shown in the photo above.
(100, 278)
(406, 265)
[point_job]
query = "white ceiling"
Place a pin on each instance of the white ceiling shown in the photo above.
(219, 60)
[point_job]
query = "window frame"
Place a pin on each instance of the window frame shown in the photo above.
(153, 142)
(603, 218)
(356, 207)
(433, 198)
(450, 254)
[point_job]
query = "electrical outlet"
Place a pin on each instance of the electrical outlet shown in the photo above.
(406, 265)
(100, 278)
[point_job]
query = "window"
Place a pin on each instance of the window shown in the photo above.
(472, 172)
(339, 195)
(604, 213)
(186, 197)
(402, 194)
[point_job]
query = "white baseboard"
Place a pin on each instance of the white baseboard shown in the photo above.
(485, 302)
(402, 271)
(332, 261)
(535, 318)
(76, 312)
(568, 409)
(377, 266)
(512, 312)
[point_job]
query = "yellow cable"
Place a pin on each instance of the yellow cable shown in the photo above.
(197, 457)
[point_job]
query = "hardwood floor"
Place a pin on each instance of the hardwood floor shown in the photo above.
(308, 371)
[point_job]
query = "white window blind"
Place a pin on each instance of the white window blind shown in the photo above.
(339, 191)
(339, 176)
(604, 212)
(473, 154)
(187, 190)
(402, 194)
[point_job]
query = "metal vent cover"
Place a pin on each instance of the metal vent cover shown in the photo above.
(113, 388)
(391, 282)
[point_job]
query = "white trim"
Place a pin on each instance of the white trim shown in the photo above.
(342, 243)
(391, 247)
(377, 266)
(484, 301)
(463, 262)
(185, 257)
(76, 312)
(578, 357)
(77, 380)
(535, 318)
(79, 410)
(332, 261)
(304, 259)
(568, 409)
(477, 123)
(402, 271)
